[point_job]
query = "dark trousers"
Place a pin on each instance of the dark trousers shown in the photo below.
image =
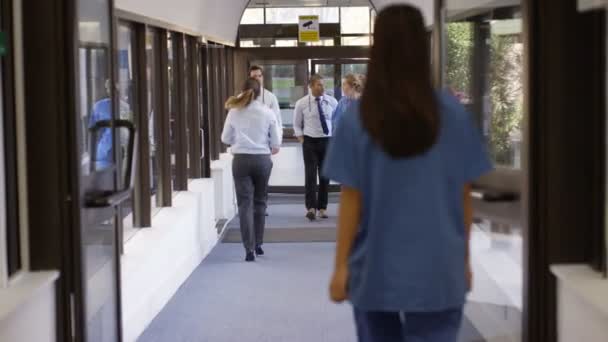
(251, 173)
(314, 150)
(442, 326)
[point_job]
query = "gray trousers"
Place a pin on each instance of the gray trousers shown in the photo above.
(251, 173)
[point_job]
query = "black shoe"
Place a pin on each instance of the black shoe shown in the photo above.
(311, 215)
(250, 257)
(259, 251)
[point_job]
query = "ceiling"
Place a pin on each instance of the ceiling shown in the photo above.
(218, 20)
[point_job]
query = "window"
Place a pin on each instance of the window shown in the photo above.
(356, 41)
(126, 96)
(248, 43)
(322, 42)
(290, 15)
(253, 16)
(187, 74)
(172, 102)
(485, 68)
(154, 136)
(9, 201)
(285, 43)
(355, 20)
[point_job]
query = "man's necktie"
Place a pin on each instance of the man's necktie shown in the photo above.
(322, 117)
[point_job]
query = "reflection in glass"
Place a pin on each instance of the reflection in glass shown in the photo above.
(151, 59)
(172, 102)
(126, 87)
(98, 227)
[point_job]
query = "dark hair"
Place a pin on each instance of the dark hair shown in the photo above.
(315, 78)
(399, 107)
(249, 92)
(254, 68)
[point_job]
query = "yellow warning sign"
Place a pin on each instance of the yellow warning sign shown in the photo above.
(308, 28)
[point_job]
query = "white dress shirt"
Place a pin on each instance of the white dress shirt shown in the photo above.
(270, 100)
(251, 130)
(306, 120)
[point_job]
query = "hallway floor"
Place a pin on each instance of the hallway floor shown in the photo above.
(280, 297)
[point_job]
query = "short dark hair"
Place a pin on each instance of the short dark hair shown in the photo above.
(255, 67)
(315, 78)
(399, 107)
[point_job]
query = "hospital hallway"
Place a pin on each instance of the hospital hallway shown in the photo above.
(118, 204)
(283, 296)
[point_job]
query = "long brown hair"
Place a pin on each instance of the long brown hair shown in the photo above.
(399, 107)
(249, 92)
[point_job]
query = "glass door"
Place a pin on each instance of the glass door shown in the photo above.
(99, 131)
(288, 80)
(334, 70)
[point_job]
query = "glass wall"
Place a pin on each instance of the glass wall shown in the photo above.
(172, 89)
(484, 69)
(484, 55)
(126, 96)
(169, 99)
(151, 69)
(288, 81)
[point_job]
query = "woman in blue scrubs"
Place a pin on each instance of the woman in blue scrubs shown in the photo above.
(405, 157)
(352, 87)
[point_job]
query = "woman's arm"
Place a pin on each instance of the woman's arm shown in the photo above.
(228, 134)
(349, 218)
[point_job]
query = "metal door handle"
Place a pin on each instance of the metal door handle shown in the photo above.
(98, 199)
(104, 199)
(496, 196)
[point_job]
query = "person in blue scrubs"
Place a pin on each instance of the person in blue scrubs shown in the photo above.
(102, 110)
(352, 87)
(405, 156)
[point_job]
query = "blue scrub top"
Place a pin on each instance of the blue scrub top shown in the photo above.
(102, 110)
(342, 107)
(409, 252)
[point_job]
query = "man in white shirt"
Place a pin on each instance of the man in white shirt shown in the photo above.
(312, 126)
(266, 97)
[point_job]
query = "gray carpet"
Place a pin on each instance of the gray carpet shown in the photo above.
(282, 297)
(286, 222)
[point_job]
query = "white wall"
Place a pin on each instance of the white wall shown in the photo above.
(582, 304)
(27, 309)
(186, 14)
(158, 260)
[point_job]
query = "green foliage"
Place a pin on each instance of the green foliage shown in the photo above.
(505, 83)
(506, 94)
(459, 51)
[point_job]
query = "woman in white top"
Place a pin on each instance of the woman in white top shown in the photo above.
(253, 135)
